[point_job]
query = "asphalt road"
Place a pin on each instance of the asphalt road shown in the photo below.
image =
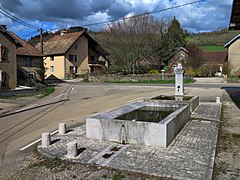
(72, 103)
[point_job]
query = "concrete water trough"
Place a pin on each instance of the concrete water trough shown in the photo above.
(192, 101)
(151, 123)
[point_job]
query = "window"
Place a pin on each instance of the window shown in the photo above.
(52, 69)
(28, 62)
(76, 46)
(32, 75)
(72, 58)
(2, 52)
(52, 58)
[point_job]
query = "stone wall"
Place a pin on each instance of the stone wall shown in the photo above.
(233, 58)
(131, 77)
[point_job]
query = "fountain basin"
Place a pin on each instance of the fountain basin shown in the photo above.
(114, 125)
(192, 101)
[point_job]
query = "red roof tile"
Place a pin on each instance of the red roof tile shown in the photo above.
(215, 57)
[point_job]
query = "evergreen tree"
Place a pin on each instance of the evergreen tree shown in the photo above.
(173, 39)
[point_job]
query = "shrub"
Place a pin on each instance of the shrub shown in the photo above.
(154, 71)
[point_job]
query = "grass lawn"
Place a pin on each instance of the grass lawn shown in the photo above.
(40, 94)
(45, 92)
(213, 48)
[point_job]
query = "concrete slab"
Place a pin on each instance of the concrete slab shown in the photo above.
(190, 156)
(209, 80)
(209, 111)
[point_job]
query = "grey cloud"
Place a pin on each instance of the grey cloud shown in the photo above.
(211, 13)
(100, 6)
(10, 5)
(48, 10)
(118, 10)
(61, 10)
(64, 9)
(114, 9)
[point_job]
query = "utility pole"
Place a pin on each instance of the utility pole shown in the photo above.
(41, 40)
(41, 49)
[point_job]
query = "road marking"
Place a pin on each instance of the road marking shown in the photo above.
(26, 108)
(135, 100)
(60, 95)
(37, 141)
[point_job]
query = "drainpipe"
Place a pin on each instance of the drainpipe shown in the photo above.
(0, 81)
(41, 40)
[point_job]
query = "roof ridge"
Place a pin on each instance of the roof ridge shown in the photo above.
(231, 41)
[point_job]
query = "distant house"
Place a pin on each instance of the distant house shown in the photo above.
(29, 62)
(68, 54)
(216, 61)
(149, 64)
(179, 56)
(234, 55)
(8, 64)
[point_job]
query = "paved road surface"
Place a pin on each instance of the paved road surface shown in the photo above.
(71, 103)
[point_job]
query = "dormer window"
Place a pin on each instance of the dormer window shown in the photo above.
(2, 53)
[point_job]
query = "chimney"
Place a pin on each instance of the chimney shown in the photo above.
(3, 26)
(62, 32)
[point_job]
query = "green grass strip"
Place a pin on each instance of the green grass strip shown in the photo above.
(213, 48)
(187, 81)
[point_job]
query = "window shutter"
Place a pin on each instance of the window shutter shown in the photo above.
(0, 53)
(75, 58)
(3, 52)
(70, 57)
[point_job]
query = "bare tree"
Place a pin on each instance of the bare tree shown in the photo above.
(135, 39)
(195, 56)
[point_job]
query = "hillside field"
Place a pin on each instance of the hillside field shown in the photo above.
(213, 48)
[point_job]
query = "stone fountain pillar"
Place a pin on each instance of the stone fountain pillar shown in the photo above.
(179, 86)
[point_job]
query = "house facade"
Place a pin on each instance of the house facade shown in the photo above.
(68, 54)
(233, 55)
(29, 63)
(216, 62)
(179, 56)
(8, 63)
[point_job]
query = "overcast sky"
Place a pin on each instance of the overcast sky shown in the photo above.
(208, 15)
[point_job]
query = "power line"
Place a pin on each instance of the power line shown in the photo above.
(143, 14)
(152, 12)
(4, 12)
(29, 34)
(9, 15)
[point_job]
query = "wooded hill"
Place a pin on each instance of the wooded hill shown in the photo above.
(216, 38)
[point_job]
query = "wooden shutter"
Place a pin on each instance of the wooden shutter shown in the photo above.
(2, 52)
